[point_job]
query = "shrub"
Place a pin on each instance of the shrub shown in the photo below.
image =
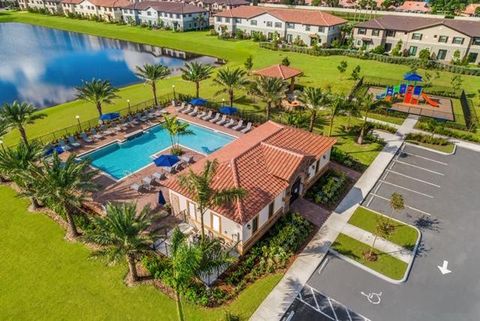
(328, 189)
(427, 139)
(345, 159)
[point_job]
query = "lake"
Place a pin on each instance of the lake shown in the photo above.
(42, 66)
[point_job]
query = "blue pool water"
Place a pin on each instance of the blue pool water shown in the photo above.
(42, 66)
(121, 159)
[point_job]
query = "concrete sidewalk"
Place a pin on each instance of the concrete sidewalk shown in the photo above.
(282, 296)
(380, 244)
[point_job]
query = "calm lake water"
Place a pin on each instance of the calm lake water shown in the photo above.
(42, 66)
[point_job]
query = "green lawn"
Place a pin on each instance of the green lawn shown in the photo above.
(385, 264)
(319, 71)
(404, 235)
(441, 148)
(44, 277)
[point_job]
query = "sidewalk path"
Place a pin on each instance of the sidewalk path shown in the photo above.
(282, 296)
(380, 244)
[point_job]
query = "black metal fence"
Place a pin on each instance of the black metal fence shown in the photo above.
(471, 120)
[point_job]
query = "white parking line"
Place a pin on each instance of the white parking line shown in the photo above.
(419, 167)
(316, 309)
(407, 206)
(423, 157)
(414, 178)
(407, 189)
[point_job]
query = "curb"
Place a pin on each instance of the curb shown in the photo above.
(433, 150)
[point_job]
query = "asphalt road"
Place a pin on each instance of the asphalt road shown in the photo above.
(442, 194)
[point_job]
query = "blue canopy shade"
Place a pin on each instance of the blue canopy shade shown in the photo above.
(227, 110)
(198, 101)
(166, 160)
(412, 76)
(109, 116)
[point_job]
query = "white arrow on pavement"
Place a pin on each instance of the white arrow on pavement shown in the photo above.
(444, 268)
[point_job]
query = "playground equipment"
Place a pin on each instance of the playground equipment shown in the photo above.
(412, 94)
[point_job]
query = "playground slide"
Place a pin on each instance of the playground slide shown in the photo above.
(429, 100)
(408, 97)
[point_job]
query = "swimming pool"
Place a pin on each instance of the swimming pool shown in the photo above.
(121, 159)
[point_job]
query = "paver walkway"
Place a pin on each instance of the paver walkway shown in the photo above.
(282, 296)
(381, 244)
(312, 212)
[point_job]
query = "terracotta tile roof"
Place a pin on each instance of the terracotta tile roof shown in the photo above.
(414, 6)
(408, 24)
(263, 162)
(71, 1)
(306, 17)
(470, 9)
(227, 2)
(278, 71)
(167, 6)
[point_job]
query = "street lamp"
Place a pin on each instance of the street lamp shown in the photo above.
(128, 102)
(174, 94)
(78, 121)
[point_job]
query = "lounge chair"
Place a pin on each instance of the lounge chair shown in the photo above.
(230, 123)
(85, 138)
(239, 125)
(202, 114)
(147, 182)
(133, 121)
(169, 169)
(182, 107)
(215, 119)
(158, 176)
(188, 110)
(107, 131)
(62, 144)
(73, 142)
(136, 187)
(208, 116)
(96, 135)
(194, 112)
(188, 159)
(247, 129)
(222, 121)
(141, 117)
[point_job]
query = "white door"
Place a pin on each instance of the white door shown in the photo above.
(216, 223)
(192, 210)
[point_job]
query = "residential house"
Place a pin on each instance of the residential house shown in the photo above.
(442, 37)
(108, 10)
(214, 6)
(274, 164)
(414, 6)
(471, 10)
(52, 6)
(176, 15)
(310, 26)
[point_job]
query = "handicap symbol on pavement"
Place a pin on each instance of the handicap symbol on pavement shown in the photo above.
(373, 298)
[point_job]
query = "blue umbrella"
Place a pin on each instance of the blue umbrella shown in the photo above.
(109, 116)
(161, 198)
(227, 110)
(198, 101)
(412, 76)
(166, 160)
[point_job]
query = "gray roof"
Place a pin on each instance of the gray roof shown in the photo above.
(407, 24)
(166, 6)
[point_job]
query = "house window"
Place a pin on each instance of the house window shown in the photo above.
(458, 40)
(442, 53)
(362, 31)
(149, 13)
(216, 223)
(278, 24)
(476, 42)
(375, 32)
(253, 22)
(254, 225)
(269, 23)
(227, 20)
(219, 19)
(443, 39)
(290, 25)
(307, 28)
(390, 33)
(417, 36)
(238, 20)
(472, 57)
(412, 51)
(192, 210)
(271, 209)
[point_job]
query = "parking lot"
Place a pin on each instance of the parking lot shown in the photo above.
(442, 198)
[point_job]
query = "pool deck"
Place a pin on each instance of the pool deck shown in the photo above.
(111, 190)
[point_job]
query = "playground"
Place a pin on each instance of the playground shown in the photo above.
(410, 97)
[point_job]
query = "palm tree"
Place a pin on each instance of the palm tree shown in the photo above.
(314, 99)
(97, 92)
(383, 228)
(200, 187)
(123, 234)
(176, 129)
(19, 115)
(366, 104)
(230, 80)
(335, 105)
(62, 186)
(16, 164)
(151, 74)
(270, 90)
(184, 261)
(196, 72)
